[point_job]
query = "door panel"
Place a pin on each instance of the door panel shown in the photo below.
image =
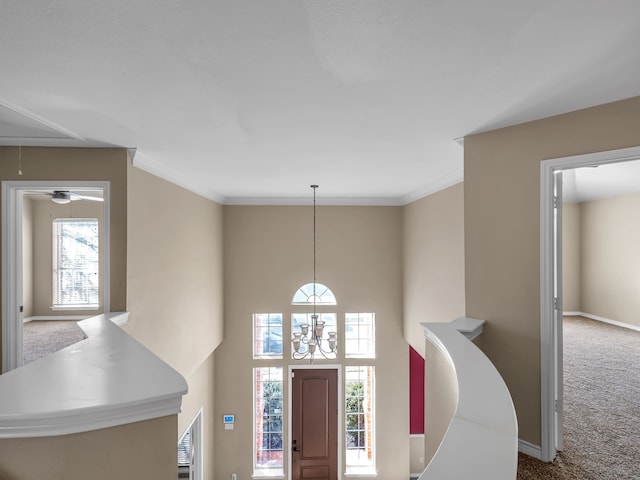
(321, 473)
(314, 424)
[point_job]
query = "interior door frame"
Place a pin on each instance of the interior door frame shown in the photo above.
(550, 330)
(558, 309)
(340, 427)
(197, 442)
(12, 199)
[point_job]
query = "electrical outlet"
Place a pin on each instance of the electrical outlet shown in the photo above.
(234, 477)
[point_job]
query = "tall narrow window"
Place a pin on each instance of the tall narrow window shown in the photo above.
(359, 418)
(359, 338)
(268, 421)
(76, 279)
(267, 335)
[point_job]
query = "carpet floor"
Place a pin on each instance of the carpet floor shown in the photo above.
(42, 337)
(601, 406)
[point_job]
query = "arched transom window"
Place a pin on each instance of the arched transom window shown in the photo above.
(323, 295)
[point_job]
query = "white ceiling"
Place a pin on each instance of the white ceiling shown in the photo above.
(605, 181)
(254, 100)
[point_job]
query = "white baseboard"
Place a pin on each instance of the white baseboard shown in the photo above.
(53, 317)
(530, 449)
(604, 320)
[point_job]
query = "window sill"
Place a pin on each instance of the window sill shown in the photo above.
(361, 472)
(268, 474)
(75, 307)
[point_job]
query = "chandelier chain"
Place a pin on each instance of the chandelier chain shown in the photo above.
(311, 334)
(314, 247)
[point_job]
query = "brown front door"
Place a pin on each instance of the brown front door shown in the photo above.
(314, 424)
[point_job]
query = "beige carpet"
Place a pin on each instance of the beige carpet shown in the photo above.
(42, 337)
(601, 406)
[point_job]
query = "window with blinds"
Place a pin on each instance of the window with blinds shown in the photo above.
(76, 279)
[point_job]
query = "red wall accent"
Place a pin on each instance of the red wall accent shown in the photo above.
(416, 392)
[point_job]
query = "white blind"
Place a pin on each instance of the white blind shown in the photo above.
(76, 279)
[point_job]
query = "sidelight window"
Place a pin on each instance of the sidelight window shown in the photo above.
(268, 445)
(359, 418)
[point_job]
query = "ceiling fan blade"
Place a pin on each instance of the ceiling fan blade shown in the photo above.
(75, 196)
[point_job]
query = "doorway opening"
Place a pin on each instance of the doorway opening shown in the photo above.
(190, 460)
(22, 248)
(315, 422)
(551, 308)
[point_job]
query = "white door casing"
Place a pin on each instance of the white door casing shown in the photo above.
(550, 327)
(557, 306)
(12, 198)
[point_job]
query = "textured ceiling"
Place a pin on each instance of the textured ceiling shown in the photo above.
(254, 100)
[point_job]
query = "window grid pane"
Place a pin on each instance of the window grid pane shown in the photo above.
(268, 417)
(359, 335)
(76, 279)
(267, 335)
(359, 416)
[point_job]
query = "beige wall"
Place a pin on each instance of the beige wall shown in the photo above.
(571, 252)
(44, 212)
(610, 280)
(502, 234)
(416, 453)
(174, 271)
(137, 451)
(27, 257)
(268, 255)
(433, 262)
(175, 290)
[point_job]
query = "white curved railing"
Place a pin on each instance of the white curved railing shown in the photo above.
(106, 380)
(481, 439)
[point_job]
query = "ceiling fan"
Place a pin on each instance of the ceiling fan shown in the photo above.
(65, 196)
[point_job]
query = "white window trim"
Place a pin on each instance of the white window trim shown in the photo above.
(361, 472)
(55, 272)
(371, 355)
(267, 356)
(366, 470)
(259, 473)
(262, 472)
(82, 306)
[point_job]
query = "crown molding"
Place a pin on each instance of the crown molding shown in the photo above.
(440, 183)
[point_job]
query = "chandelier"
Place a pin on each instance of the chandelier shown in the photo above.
(312, 334)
